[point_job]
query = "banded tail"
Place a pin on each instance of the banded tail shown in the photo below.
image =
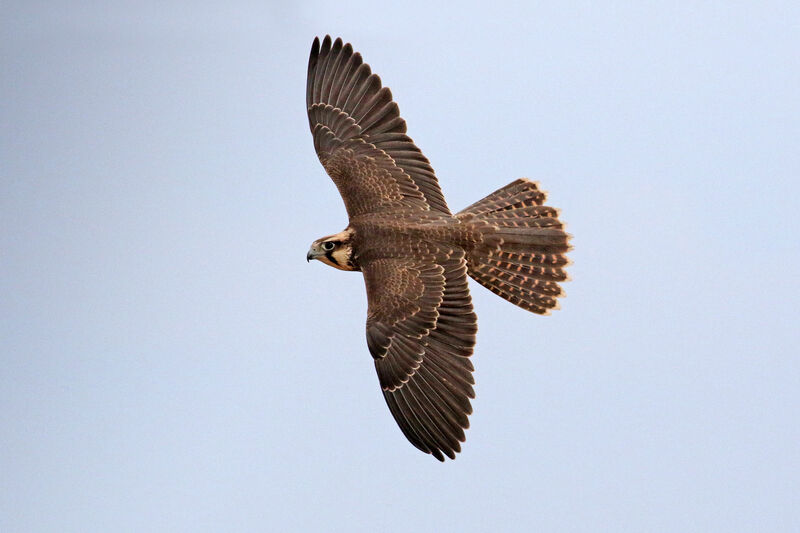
(521, 256)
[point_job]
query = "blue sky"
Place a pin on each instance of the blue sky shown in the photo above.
(171, 363)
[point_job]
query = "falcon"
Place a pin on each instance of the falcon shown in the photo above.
(415, 254)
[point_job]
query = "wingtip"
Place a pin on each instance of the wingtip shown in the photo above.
(326, 45)
(322, 47)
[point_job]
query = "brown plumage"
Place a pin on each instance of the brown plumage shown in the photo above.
(415, 255)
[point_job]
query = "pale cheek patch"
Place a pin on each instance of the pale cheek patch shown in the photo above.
(341, 257)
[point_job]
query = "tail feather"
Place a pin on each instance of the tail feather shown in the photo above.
(520, 268)
(519, 297)
(539, 217)
(521, 253)
(521, 191)
(544, 238)
(520, 280)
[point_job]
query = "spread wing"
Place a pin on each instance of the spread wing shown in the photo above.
(421, 332)
(360, 137)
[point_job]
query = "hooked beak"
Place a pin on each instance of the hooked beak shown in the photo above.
(312, 254)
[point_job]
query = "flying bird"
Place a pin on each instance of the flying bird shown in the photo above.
(415, 254)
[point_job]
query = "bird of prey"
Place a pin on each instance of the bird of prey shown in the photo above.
(415, 254)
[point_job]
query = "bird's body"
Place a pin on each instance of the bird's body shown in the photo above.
(415, 254)
(390, 234)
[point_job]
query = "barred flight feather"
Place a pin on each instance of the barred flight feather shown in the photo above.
(522, 251)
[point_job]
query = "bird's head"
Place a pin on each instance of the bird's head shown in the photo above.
(334, 250)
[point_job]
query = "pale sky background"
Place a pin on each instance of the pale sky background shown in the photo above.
(169, 362)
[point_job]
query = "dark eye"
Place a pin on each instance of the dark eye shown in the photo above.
(328, 246)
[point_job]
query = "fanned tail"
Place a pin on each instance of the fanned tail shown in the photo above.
(521, 253)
